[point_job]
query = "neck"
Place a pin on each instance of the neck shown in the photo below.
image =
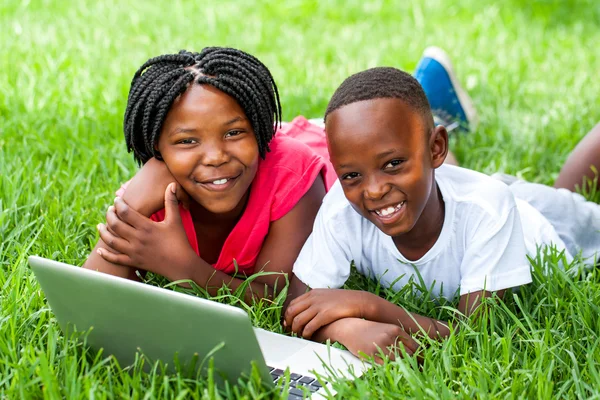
(421, 238)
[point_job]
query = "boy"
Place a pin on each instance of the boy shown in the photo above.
(397, 208)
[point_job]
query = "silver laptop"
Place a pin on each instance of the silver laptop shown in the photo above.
(124, 317)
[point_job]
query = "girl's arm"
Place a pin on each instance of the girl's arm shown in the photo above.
(163, 248)
(280, 249)
(145, 194)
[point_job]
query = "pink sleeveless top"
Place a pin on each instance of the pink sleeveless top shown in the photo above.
(298, 155)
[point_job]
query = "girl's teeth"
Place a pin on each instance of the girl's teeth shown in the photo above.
(220, 181)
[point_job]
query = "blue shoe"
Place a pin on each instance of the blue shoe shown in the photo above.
(450, 103)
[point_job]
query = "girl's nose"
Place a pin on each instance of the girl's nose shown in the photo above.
(214, 155)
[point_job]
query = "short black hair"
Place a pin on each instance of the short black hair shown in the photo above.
(377, 83)
(161, 80)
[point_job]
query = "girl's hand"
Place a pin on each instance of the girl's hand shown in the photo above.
(136, 241)
(308, 313)
(145, 192)
(362, 337)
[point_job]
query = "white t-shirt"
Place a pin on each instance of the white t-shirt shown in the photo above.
(482, 245)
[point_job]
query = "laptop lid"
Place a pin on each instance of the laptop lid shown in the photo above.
(125, 316)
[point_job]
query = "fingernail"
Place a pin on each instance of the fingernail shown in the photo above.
(111, 208)
(284, 323)
(173, 188)
(116, 199)
(99, 252)
(98, 226)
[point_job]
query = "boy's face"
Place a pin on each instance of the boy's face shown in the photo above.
(384, 154)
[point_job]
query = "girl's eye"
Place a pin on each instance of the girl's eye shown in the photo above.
(350, 176)
(186, 141)
(393, 164)
(233, 133)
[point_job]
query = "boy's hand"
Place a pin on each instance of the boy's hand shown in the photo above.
(145, 192)
(136, 241)
(308, 313)
(362, 337)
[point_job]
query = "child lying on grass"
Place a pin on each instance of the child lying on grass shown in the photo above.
(397, 212)
(203, 125)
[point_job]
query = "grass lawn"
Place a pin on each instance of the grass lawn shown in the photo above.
(65, 68)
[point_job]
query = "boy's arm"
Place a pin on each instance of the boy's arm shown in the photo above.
(318, 308)
(312, 313)
(361, 336)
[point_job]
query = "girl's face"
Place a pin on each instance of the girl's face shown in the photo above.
(208, 144)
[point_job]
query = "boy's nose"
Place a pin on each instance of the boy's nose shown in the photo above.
(376, 189)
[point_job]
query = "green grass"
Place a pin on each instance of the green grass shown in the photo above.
(65, 67)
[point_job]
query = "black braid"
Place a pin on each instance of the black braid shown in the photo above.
(161, 80)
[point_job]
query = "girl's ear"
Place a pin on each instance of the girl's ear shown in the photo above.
(438, 144)
(157, 153)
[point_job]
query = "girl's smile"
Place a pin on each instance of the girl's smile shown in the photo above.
(219, 184)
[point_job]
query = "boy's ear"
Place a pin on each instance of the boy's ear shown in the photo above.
(438, 145)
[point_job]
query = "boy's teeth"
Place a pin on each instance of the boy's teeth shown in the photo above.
(220, 181)
(390, 210)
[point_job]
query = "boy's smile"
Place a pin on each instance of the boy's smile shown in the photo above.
(384, 154)
(210, 148)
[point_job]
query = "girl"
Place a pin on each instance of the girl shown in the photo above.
(204, 126)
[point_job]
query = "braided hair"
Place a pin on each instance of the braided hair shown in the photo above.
(161, 80)
(381, 82)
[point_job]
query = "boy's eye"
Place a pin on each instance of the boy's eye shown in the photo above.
(393, 164)
(233, 133)
(350, 175)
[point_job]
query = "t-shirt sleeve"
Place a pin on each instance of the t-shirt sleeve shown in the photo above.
(495, 255)
(324, 261)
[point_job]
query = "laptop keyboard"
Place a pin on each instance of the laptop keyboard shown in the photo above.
(297, 382)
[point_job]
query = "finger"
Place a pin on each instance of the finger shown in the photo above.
(394, 350)
(378, 359)
(121, 259)
(117, 244)
(410, 344)
(302, 319)
(129, 215)
(367, 356)
(172, 204)
(320, 320)
(118, 227)
(108, 248)
(183, 197)
(297, 306)
(388, 350)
